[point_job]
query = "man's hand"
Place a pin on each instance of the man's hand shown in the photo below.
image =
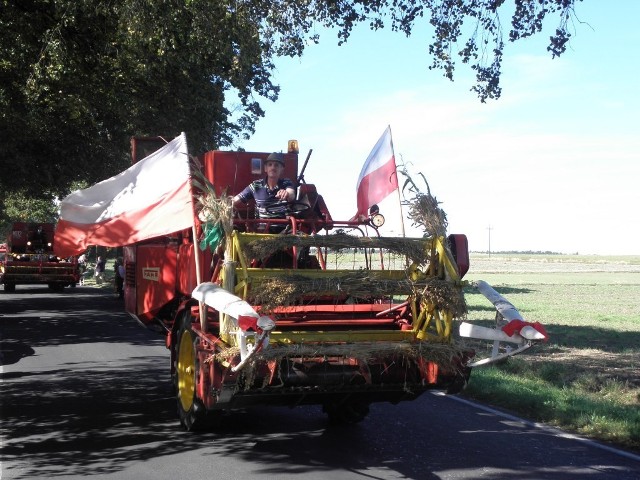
(288, 194)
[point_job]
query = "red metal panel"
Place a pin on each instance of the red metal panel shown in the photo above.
(235, 170)
(186, 269)
(18, 238)
(155, 278)
(460, 249)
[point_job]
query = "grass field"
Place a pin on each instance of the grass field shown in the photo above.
(586, 379)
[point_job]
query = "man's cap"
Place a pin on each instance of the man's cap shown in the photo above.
(276, 157)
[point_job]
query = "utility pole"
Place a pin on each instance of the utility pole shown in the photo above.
(489, 228)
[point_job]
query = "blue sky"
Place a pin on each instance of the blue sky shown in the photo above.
(554, 164)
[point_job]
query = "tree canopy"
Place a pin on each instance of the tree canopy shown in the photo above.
(78, 78)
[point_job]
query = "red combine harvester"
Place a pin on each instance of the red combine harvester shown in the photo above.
(326, 312)
(29, 259)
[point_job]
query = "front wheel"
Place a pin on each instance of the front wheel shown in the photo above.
(191, 410)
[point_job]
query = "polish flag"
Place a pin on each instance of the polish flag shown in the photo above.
(378, 178)
(149, 199)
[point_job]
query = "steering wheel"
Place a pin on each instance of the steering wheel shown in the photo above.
(296, 207)
(292, 208)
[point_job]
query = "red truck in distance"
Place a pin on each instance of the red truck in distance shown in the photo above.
(29, 259)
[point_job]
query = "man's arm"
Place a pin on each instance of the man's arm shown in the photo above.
(288, 194)
(237, 201)
(243, 197)
(287, 191)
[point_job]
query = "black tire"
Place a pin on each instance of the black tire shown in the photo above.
(346, 413)
(9, 287)
(191, 410)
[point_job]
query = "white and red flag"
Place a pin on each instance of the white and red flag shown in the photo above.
(151, 198)
(378, 178)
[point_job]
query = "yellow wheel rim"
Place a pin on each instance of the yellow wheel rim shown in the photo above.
(186, 371)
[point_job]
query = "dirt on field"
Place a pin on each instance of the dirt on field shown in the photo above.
(600, 366)
(498, 263)
(595, 364)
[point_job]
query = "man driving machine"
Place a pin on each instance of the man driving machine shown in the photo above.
(271, 193)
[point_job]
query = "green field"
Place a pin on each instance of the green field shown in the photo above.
(586, 379)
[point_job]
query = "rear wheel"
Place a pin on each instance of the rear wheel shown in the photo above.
(191, 410)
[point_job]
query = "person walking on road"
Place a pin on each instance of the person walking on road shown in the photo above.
(82, 266)
(100, 266)
(119, 277)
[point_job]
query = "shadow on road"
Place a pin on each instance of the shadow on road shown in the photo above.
(94, 417)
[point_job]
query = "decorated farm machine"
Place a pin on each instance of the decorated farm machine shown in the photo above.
(29, 259)
(325, 312)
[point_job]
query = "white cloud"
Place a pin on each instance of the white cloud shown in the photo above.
(552, 165)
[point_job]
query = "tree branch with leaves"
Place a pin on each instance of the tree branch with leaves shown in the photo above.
(78, 78)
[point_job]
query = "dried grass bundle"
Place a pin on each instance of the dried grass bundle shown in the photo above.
(292, 289)
(415, 249)
(442, 354)
(215, 212)
(424, 210)
(445, 296)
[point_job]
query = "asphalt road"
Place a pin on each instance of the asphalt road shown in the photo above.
(85, 392)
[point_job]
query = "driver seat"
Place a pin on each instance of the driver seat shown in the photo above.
(308, 195)
(318, 210)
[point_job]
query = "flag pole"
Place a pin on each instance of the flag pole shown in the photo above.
(196, 250)
(397, 189)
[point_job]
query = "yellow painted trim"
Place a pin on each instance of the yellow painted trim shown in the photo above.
(446, 260)
(341, 336)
